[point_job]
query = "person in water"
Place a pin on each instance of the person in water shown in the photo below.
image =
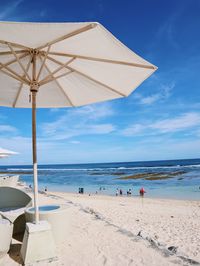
(117, 192)
(142, 191)
(129, 192)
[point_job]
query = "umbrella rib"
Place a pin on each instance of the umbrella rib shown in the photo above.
(98, 82)
(15, 44)
(18, 60)
(69, 100)
(56, 70)
(60, 87)
(104, 60)
(69, 35)
(21, 85)
(43, 62)
(52, 78)
(15, 60)
(88, 77)
(14, 74)
(17, 52)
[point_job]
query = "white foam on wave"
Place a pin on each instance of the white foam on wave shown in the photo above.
(147, 167)
(19, 169)
(47, 169)
(159, 167)
(192, 165)
(107, 169)
(60, 169)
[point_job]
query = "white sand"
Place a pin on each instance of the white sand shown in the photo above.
(102, 230)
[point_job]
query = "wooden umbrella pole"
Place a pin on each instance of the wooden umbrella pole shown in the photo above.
(35, 177)
(34, 89)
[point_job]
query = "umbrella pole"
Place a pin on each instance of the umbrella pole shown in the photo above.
(35, 177)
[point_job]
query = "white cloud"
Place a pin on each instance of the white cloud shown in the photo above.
(66, 132)
(163, 94)
(182, 122)
(94, 111)
(19, 144)
(170, 125)
(75, 142)
(167, 31)
(150, 99)
(89, 112)
(133, 130)
(163, 150)
(101, 128)
(79, 121)
(7, 128)
(55, 110)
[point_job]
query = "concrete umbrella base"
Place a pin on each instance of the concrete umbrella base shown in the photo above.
(38, 243)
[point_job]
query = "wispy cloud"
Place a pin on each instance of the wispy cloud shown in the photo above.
(163, 94)
(167, 30)
(80, 121)
(94, 111)
(7, 129)
(9, 9)
(66, 132)
(43, 13)
(170, 125)
(75, 142)
(19, 144)
(185, 121)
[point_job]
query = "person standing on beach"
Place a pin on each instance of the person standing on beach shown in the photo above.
(142, 191)
(117, 192)
(129, 192)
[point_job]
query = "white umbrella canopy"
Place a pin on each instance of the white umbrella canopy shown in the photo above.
(77, 64)
(64, 65)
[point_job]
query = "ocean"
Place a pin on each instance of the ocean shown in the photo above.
(176, 179)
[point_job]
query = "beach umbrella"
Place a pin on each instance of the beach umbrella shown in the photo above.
(5, 153)
(64, 65)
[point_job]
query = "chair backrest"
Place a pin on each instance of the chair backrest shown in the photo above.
(13, 198)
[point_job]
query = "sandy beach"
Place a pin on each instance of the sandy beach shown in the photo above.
(105, 230)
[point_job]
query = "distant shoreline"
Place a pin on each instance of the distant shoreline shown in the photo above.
(94, 163)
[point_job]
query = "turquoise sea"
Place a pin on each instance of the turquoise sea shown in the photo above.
(103, 177)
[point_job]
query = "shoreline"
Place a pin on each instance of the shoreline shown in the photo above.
(67, 193)
(168, 192)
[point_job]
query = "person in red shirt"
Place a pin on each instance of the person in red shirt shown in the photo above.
(142, 191)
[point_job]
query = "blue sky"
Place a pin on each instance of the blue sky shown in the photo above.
(160, 120)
